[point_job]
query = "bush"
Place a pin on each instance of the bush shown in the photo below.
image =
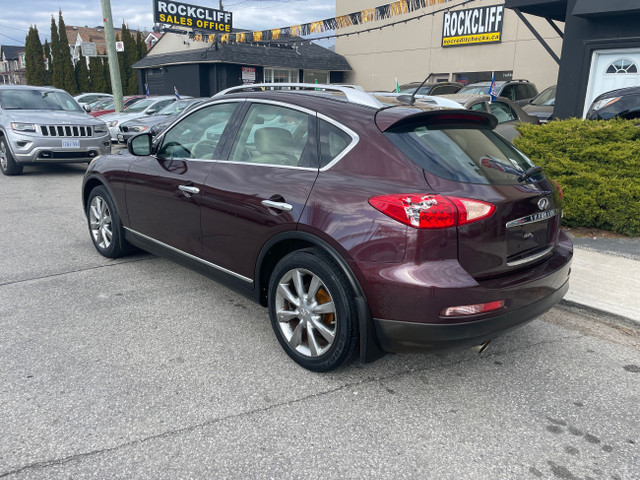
(597, 163)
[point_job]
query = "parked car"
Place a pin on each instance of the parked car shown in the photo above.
(622, 103)
(362, 227)
(508, 113)
(159, 120)
(90, 98)
(542, 105)
(103, 108)
(518, 91)
(145, 106)
(440, 88)
(46, 125)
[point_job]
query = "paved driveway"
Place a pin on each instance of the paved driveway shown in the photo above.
(139, 368)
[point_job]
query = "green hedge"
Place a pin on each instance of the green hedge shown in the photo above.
(597, 163)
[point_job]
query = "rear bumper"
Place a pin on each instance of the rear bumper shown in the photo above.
(406, 337)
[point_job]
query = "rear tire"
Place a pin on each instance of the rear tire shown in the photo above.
(8, 165)
(105, 227)
(312, 310)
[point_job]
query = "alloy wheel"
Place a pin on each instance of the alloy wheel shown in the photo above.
(3, 156)
(100, 222)
(306, 312)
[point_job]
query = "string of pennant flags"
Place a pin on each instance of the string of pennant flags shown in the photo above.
(382, 12)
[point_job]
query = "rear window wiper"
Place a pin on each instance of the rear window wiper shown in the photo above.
(529, 173)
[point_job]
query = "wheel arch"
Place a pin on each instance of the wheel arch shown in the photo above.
(282, 244)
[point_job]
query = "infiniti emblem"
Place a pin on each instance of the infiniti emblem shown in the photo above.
(543, 203)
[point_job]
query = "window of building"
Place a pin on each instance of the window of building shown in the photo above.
(316, 76)
(281, 75)
(621, 66)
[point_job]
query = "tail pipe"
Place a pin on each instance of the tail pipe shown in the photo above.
(482, 347)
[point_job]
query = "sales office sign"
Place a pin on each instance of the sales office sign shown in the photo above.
(193, 16)
(472, 26)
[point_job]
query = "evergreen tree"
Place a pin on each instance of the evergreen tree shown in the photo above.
(57, 71)
(69, 78)
(47, 54)
(107, 76)
(82, 74)
(131, 57)
(141, 46)
(124, 76)
(96, 75)
(34, 59)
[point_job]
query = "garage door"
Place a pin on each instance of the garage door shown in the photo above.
(612, 69)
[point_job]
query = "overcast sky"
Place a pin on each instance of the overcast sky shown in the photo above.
(249, 14)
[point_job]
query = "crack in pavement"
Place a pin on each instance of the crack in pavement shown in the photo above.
(172, 433)
(87, 269)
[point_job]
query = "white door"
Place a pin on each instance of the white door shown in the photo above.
(612, 69)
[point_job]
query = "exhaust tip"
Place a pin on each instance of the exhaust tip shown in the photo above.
(481, 348)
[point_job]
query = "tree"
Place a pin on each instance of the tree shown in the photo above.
(57, 71)
(107, 76)
(69, 78)
(82, 74)
(35, 71)
(47, 54)
(141, 46)
(97, 82)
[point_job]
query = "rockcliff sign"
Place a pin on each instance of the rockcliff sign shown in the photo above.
(472, 26)
(194, 16)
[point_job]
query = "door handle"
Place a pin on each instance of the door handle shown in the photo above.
(188, 189)
(286, 207)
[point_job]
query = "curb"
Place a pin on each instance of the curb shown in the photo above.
(608, 317)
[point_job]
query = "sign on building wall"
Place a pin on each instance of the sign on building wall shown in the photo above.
(472, 26)
(194, 16)
(248, 75)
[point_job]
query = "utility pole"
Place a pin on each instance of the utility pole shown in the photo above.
(114, 68)
(221, 7)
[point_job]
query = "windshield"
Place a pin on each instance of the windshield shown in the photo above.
(548, 97)
(103, 105)
(469, 155)
(423, 90)
(174, 107)
(475, 89)
(140, 106)
(38, 100)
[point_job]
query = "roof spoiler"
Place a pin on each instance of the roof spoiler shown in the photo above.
(387, 119)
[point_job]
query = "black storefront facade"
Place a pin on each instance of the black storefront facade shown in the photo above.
(600, 50)
(205, 69)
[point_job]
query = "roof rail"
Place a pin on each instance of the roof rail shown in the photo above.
(353, 93)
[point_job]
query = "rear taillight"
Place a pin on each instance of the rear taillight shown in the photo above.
(559, 188)
(432, 211)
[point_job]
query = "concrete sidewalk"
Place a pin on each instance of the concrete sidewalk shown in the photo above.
(605, 282)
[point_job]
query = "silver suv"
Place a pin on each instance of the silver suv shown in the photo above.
(46, 125)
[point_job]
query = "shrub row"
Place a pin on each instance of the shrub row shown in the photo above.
(597, 163)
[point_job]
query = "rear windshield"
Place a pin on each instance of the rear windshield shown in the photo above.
(469, 155)
(475, 90)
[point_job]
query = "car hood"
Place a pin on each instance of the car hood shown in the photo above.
(52, 116)
(541, 111)
(121, 116)
(148, 120)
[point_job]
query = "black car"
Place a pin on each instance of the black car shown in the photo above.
(519, 91)
(440, 88)
(622, 103)
(542, 105)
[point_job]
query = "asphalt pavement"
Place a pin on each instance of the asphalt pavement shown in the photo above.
(138, 368)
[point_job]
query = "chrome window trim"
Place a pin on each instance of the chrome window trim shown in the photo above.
(532, 258)
(536, 217)
(355, 138)
(188, 255)
(271, 165)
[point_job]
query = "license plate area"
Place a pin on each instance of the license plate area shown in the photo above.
(70, 143)
(527, 237)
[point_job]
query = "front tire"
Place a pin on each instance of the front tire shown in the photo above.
(104, 224)
(312, 310)
(8, 165)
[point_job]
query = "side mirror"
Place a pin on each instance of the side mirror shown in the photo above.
(151, 111)
(140, 145)
(86, 107)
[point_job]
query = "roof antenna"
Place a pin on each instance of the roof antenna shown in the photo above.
(411, 99)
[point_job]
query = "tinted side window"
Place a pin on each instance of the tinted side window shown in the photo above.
(533, 91)
(333, 141)
(522, 91)
(197, 135)
(503, 112)
(444, 89)
(508, 92)
(273, 135)
(478, 107)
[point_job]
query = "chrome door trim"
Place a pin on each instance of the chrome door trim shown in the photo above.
(189, 256)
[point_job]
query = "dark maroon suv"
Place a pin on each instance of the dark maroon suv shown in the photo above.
(362, 227)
